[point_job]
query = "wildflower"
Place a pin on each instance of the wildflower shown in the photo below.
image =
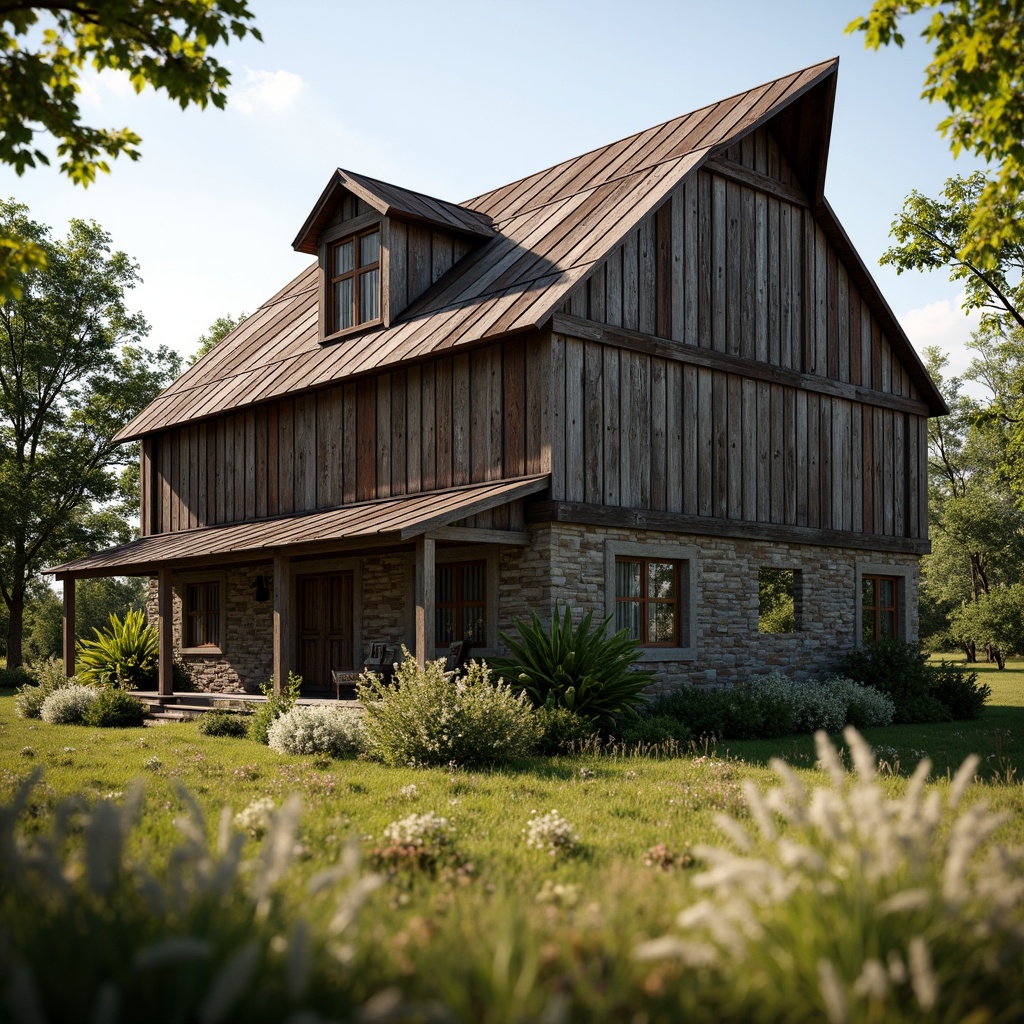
(410, 792)
(255, 819)
(551, 832)
(153, 764)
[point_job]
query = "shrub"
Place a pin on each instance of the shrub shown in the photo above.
(581, 669)
(900, 670)
(431, 717)
(883, 908)
(125, 656)
(68, 705)
(704, 711)
(114, 709)
(10, 678)
(865, 706)
(318, 729)
(277, 704)
(655, 729)
(48, 676)
(223, 723)
(958, 689)
(561, 730)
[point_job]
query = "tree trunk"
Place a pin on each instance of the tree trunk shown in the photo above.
(16, 626)
(997, 657)
(970, 651)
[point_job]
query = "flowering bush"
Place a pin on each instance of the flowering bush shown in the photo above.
(551, 832)
(773, 705)
(428, 829)
(318, 729)
(882, 908)
(45, 677)
(256, 818)
(431, 717)
(68, 705)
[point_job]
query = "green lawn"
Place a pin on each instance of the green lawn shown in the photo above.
(501, 929)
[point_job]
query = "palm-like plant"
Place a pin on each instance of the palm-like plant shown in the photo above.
(124, 656)
(581, 669)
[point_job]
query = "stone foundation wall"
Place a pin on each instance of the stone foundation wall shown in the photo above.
(247, 644)
(728, 646)
(565, 563)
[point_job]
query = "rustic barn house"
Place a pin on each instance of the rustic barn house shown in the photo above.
(633, 382)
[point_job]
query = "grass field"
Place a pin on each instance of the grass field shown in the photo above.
(501, 929)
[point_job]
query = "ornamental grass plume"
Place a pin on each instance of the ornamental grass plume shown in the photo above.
(90, 932)
(846, 904)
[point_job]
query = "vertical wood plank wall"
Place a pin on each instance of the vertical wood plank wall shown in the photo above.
(725, 267)
(468, 418)
(719, 266)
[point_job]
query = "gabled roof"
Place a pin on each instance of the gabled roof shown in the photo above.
(388, 200)
(550, 230)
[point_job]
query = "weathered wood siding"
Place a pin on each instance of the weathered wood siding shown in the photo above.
(469, 418)
(808, 420)
(729, 267)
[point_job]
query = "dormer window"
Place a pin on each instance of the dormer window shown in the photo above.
(354, 291)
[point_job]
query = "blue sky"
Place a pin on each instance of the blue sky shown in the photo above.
(453, 98)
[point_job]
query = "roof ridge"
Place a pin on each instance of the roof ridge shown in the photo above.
(650, 128)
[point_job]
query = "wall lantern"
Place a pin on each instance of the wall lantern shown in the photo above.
(262, 585)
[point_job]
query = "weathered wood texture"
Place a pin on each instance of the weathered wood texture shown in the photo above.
(781, 402)
(739, 265)
(653, 433)
(471, 418)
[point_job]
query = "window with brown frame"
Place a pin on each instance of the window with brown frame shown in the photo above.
(354, 288)
(647, 600)
(460, 603)
(202, 614)
(880, 615)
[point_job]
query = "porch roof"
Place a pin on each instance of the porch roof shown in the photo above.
(386, 520)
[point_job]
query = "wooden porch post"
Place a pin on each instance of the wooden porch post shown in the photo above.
(282, 620)
(165, 626)
(69, 625)
(424, 600)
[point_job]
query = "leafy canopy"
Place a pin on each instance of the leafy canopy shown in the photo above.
(46, 47)
(73, 371)
(977, 72)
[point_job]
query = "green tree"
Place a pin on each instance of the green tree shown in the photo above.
(72, 372)
(937, 233)
(978, 74)
(977, 530)
(995, 621)
(45, 47)
(219, 330)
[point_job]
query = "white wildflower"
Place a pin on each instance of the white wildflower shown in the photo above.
(428, 829)
(255, 819)
(551, 832)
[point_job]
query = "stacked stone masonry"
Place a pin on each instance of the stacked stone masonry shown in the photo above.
(565, 563)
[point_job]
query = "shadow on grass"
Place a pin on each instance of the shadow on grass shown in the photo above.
(997, 737)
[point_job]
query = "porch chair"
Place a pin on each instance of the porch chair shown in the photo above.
(458, 655)
(381, 660)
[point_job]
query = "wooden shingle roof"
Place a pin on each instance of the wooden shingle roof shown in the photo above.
(549, 230)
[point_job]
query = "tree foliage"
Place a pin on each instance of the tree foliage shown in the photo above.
(977, 73)
(937, 233)
(218, 331)
(46, 47)
(72, 372)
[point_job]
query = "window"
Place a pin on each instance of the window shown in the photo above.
(777, 600)
(647, 594)
(354, 288)
(460, 603)
(880, 607)
(202, 614)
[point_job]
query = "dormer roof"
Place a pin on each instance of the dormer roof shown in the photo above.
(388, 200)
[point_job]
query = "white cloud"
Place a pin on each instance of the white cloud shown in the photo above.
(944, 324)
(267, 92)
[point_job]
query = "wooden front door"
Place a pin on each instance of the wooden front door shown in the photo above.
(324, 627)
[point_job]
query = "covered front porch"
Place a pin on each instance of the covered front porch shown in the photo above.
(310, 594)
